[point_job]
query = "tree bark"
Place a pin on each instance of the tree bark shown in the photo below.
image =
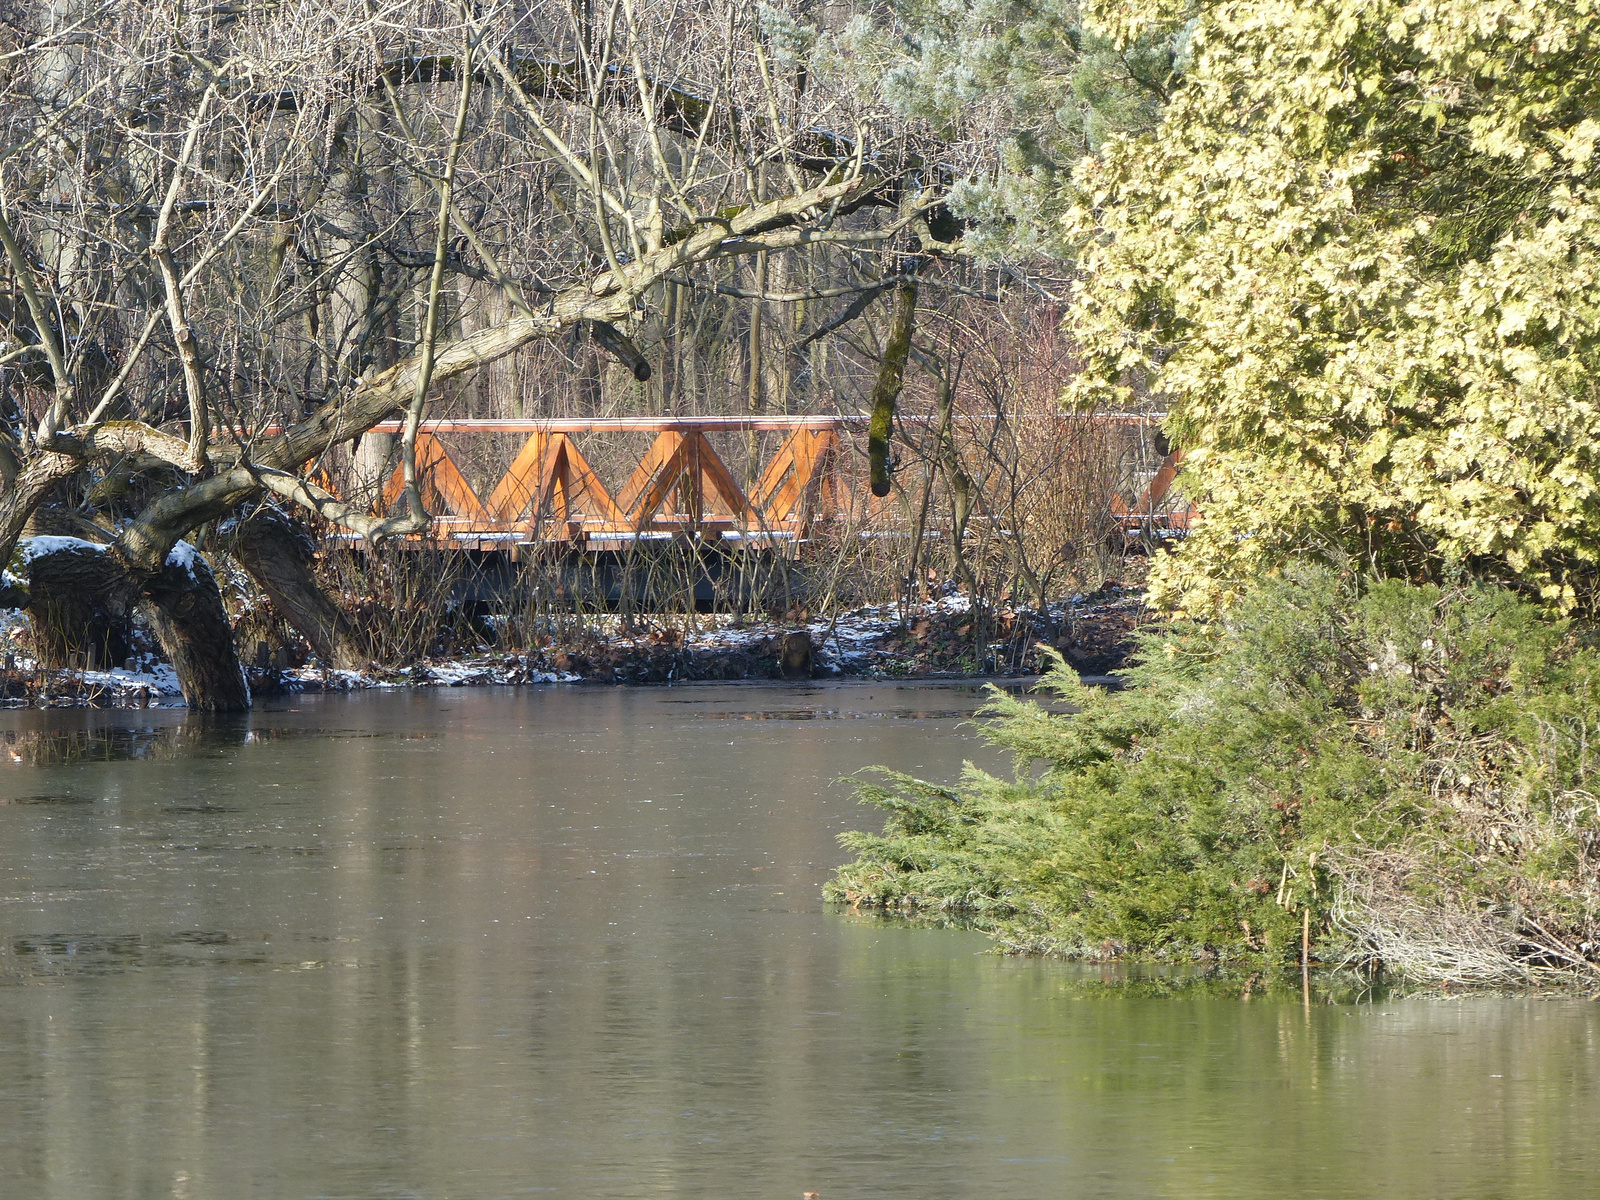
(620, 346)
(37, 479)
(891, 374)
(79, 594)
(184, 606)
(277, 552)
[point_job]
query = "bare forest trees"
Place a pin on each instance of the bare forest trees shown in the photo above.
(1002, 490)
(239, 236)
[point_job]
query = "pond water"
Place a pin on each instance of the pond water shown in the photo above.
(569, 941)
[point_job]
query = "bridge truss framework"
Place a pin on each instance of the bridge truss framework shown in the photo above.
(551, 494)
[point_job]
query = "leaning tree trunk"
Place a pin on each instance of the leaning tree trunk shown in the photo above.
(277, 552)
(77, 590)
(184, 606)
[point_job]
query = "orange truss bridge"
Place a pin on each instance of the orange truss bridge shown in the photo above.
(1157, 508)
(551, 493)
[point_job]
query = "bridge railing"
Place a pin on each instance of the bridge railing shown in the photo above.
(551, 491)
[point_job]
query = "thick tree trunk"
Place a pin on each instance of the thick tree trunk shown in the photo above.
(80, 594)
(372, 466)
(184, 606)
(277, 553)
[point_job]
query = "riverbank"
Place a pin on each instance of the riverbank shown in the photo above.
(944, 639)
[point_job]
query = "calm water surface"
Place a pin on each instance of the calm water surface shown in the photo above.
(567, 941)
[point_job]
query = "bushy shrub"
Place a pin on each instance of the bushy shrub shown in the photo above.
(1403, 771)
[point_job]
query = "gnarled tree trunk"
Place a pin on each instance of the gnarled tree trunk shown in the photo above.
(184, 606)
(78, 596)
(891, 375)
(277, 552)
(77, 591)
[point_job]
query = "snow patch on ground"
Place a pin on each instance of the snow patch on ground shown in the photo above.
(478, 671)
(154, 687)
(159, 679)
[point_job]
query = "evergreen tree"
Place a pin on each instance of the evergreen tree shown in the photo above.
(1019, 90)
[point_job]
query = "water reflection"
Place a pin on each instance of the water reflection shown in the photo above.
(57, 746)
(569, 942)
(829, 714)
(45, 738)
(100, 954)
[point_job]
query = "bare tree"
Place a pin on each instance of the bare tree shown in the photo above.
(238, 238)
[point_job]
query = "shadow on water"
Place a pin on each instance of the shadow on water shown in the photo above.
(1137, 981)
(1129, 980)
(51, 741)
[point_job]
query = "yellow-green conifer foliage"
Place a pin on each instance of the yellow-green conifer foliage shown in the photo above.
(1361, 259)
